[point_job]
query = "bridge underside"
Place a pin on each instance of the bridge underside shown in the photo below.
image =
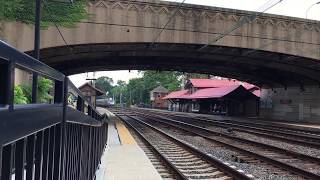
(259, 67)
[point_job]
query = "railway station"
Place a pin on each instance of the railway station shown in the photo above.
(159, 89)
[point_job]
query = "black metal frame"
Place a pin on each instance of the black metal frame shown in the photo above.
(46, 141)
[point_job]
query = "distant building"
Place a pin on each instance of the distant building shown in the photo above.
(176, 102)
(156, 97)
(91, 92)
(215, 96)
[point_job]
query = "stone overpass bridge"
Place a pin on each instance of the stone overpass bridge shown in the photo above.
(272, 50)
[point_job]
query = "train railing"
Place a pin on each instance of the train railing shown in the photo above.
(46, 141)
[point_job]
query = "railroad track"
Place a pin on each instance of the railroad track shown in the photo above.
(185, 161)
(304, 139)
(303, 165)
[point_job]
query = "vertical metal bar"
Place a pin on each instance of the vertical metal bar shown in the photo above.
(10, 90)
(39, 155)
(89, 111)
(20, 155)
(37, 30)
(68, 151)
(58, 92)
(30, 157)
(51, 152)
(4, 83)
(89, 154)
(6, 162)
(57, 153)
(80, 104)
(81, 151)
(36, 49)
(0, 160)
(46, 144)
(63, 126)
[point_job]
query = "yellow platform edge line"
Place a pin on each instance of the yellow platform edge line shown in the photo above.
(124, 134)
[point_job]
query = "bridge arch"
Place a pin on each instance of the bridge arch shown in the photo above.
(258, 67)
(275, 50)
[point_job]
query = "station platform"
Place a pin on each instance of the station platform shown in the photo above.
(123, 159)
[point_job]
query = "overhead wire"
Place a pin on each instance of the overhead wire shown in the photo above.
(167, 23)
(55, 24)
(247, 19)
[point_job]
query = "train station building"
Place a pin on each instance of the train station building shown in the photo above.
(215, 96)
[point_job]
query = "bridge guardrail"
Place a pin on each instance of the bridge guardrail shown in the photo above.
(46, 141)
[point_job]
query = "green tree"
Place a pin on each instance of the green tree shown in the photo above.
(105, 83)
(135, 90)
(120, 89)
(138, 89)
(63, 14)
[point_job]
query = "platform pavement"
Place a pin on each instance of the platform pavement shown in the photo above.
(123, 159)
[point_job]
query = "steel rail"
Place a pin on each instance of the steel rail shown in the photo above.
(217, 163)
(259, 124)
(277, 163)
(255, 131)
(178, 173)
(309, 139)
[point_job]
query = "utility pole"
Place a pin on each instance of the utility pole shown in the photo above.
(36, 49)
(36, 54)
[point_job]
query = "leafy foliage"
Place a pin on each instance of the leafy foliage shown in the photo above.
(63, 14)
(19, 96)
(104, 83)
(23, 93)
(137, 90)
(44, 87)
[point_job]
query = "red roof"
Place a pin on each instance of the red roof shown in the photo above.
(257, 93)
(176, 94)
(211, 83)
(214, 83)
(213, 92)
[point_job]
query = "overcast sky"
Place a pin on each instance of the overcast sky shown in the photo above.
(295, 8)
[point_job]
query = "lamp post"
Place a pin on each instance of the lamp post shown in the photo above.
(310, 8)
(37, 44)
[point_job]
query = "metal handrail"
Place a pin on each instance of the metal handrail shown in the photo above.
(29, 63)
(41, 141)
